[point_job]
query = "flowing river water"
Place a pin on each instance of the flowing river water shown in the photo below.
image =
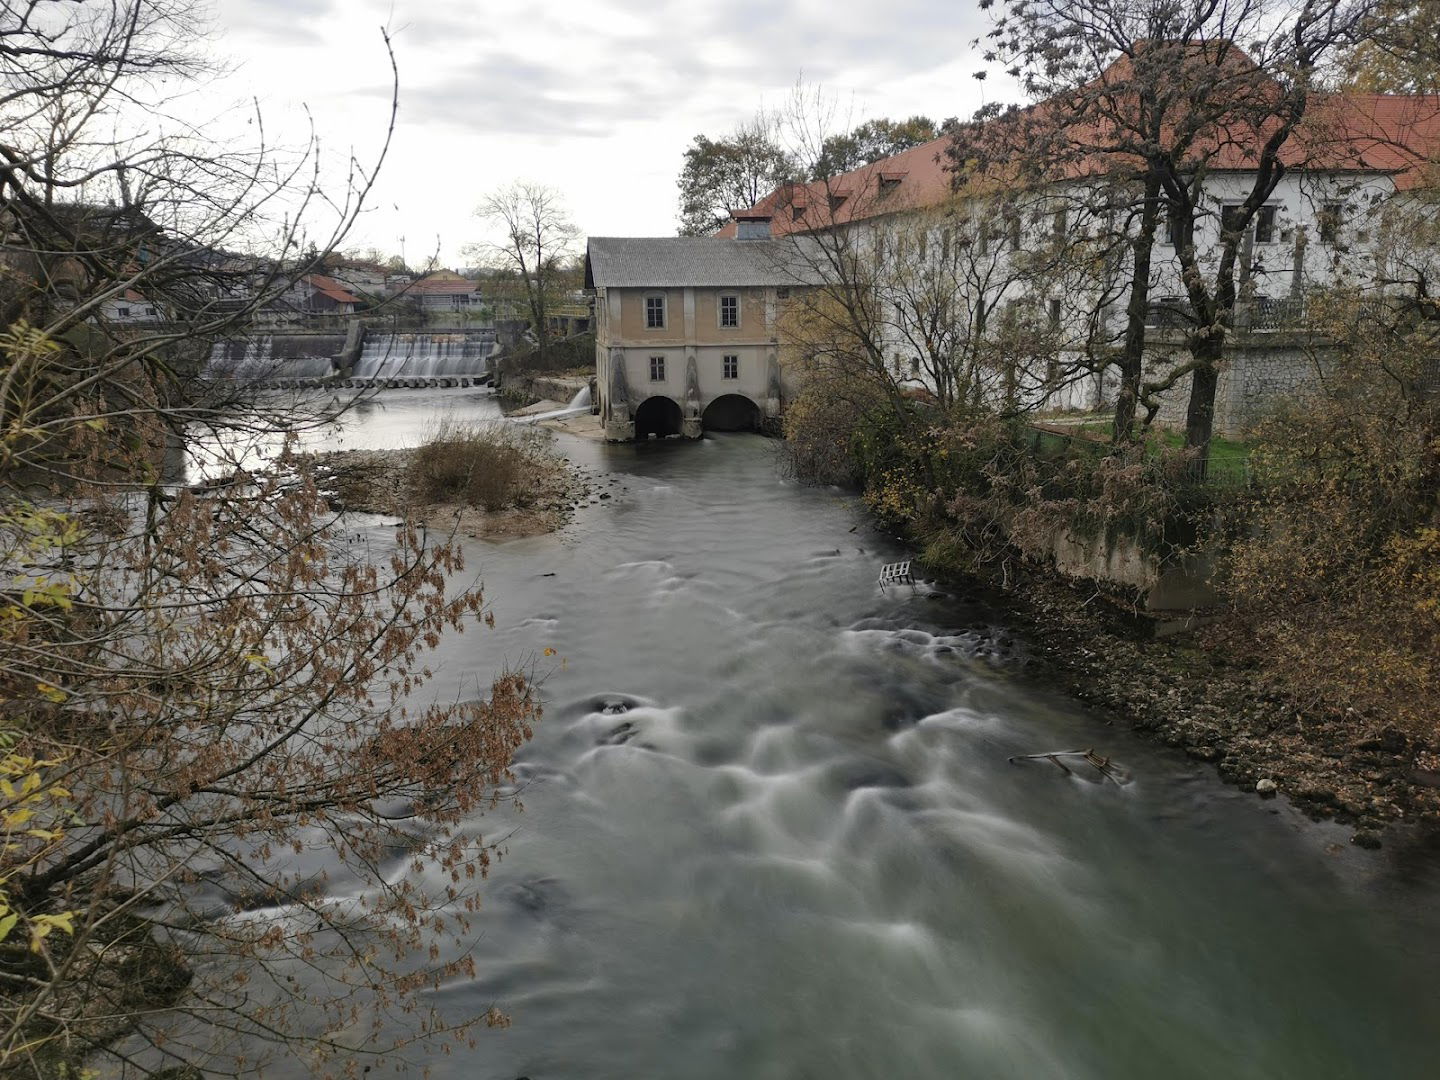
(770, 829)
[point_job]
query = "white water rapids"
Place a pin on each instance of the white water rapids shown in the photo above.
(770, 830)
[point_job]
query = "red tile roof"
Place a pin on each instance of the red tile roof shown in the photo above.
(1394, 134)
(331, 288)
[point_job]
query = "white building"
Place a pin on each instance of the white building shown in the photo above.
(1342, 214)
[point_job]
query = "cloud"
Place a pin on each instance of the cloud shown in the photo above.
(597, 97)
(288, 22)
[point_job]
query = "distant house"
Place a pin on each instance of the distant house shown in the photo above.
(360, 279)
(316, 294)
(129, 307)
(686, 330)
(445, 290)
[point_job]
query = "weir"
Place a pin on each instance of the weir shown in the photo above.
(285, 356)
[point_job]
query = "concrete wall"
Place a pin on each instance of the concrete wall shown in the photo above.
(1177, 585)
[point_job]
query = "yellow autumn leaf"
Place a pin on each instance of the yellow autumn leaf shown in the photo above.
(51, 693)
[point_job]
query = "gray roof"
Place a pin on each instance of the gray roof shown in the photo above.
(656, 261)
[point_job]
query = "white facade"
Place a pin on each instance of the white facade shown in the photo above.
(1318, 230)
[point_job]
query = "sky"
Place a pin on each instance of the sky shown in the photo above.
(595, 98)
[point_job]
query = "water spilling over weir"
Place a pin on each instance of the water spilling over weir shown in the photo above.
(425, 354)
(286, 357)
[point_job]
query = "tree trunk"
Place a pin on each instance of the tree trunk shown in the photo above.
(1132, 353)
(1200, 412)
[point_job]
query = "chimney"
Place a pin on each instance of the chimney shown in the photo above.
(750, 226)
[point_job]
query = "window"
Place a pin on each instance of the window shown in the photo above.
(797, 211)
(655, 314)
(782, 293)
(1054, 314)
(888, 184)
(729, 311)
(836, 201)
(731, 368)
(1174, 233)
(1012, 225)
(1265, 225)
(123, 312)
(944, 245)
(1232, 218)
(1058, 223)
(149, 311)
(1330, 217)
(657, 369)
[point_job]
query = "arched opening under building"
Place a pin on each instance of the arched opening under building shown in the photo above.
(731, 412)
(658, 416)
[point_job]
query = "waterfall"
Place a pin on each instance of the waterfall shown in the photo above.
(421, 354)
(297, 354)
(274, 356)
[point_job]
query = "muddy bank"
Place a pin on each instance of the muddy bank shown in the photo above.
(377, 482)
(1213, 702)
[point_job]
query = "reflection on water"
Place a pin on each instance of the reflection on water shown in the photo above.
(770, 830)
(362, 420)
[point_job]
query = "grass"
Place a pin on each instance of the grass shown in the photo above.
(1229, 458)
(487, 465)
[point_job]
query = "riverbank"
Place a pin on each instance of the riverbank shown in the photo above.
(547, 493)
(1201, 695)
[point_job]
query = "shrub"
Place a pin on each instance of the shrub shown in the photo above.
(1335, 576)
(485, 465)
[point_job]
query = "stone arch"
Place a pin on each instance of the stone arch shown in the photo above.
(731, 412)
(659, 416)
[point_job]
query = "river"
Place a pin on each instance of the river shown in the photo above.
(770, 829)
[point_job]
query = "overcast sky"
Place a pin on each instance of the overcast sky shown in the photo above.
(596, 98)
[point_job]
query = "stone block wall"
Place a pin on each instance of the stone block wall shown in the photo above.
(1256, 376)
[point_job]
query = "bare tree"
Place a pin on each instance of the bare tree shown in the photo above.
(1157, 97)
(537, 249)
(195, 679)
(965, 303)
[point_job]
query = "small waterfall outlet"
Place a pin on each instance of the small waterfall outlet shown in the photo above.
(579, 404)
